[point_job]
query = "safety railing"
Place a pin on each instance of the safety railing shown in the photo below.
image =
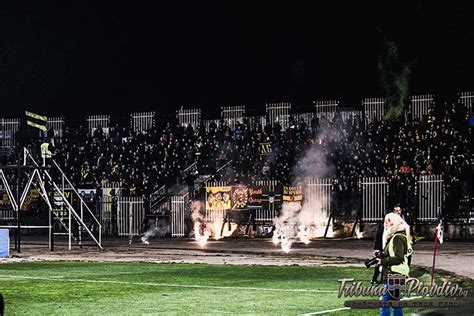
(83, 206)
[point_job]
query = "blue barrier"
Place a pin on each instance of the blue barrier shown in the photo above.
(4, 243)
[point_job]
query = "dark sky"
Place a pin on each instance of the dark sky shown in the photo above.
(81, 57)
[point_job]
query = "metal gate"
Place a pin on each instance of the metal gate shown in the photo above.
(430, 191)
(179, 205)
(351, 116)
(58, 125)
(374, 109)
(142, 121)
(467, 99)
(420, 105)
(130, 216)
(279, 113)
(189, 117)
(326, 108)
(8, 130)
(207, 124)
(94, 121)
(303, 117)
(374, 198)
(318, 195)
(256, 121)
(233, 114)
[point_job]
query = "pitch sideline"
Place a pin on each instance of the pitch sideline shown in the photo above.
(216, 287)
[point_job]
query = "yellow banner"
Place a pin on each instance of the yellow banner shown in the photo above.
(294, 193)
(218, 198)
(36, 116)
(41, 127)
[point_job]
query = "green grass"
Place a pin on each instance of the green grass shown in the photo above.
(146, 288)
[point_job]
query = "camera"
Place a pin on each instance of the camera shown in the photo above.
(371, 262)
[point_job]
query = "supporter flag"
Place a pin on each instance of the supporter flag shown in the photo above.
(292, 194)
(36, 120)
(240, 197)
(255, 197)
(439, 231)
(265, 148)
(218, 198)
(271, 197)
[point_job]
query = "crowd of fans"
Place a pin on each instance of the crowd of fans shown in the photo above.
(349, 148)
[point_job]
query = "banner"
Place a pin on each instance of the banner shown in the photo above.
(5, 201)
(88, 195)
(265, 148)
(36, 120)
(271, 197)
(107, 192)
(240, 197)
(292, 194)
(59, 205)
(218, 198)
(255, 197)
(31, 199)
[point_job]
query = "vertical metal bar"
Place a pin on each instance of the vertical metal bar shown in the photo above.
(80, 226)
(130, 221)
(70, 229)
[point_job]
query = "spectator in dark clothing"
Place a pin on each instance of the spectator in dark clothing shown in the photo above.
(190, 183)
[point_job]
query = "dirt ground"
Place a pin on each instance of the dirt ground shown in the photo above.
(456, 257)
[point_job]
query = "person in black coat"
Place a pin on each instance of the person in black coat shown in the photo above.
(378, 250)
(2, 305)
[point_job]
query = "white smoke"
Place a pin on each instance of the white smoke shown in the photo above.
(156, 229)
(309, 220)
(201, 233)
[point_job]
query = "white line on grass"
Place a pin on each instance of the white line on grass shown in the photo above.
(193, 286)
(410, 298)
(327, 311)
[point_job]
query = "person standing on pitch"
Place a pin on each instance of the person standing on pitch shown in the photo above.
(378, 244)
(397, 247)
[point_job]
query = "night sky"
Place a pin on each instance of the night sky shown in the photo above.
(80, 58)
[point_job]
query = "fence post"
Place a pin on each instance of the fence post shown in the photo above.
(130, 222)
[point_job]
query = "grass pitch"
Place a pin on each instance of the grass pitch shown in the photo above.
(88, 288)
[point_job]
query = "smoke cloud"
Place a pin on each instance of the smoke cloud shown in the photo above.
(395, 80)
(159, 228)
(309, 220)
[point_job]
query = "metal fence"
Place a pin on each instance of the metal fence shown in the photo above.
(327, 108)
(105, 214)
(58, 125)
(351, 115)
(374, 109)
(279, 113)
(318, 194)
(467, 99)
(303, 117)
(179, 207)
(430, 191)
(420, 105)
(233, 114)
(374, 192)
(142, 121)
(207, 124)
(130, 216)
(189, 117)
(8, 130)
(255, 121)
(95, 121)
(266, 214)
